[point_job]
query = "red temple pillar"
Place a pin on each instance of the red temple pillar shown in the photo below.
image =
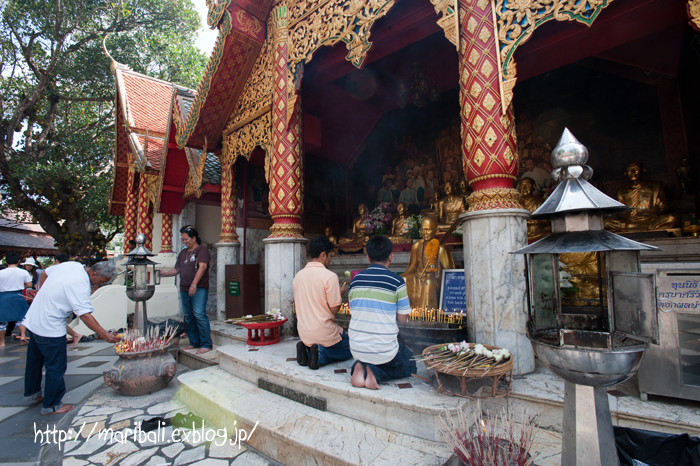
(495, 224)
(228, 204)
(130, 212)
(488, 135)
(166, 233)
(286, 185)
(145, 222)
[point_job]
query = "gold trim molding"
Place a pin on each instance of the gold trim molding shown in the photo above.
(694, 14)
(449, 21)
(494, 198)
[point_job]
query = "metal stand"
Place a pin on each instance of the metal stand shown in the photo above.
(141, 317)
(588, 438)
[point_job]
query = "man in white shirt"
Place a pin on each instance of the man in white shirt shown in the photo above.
(539, 175)
(409, 195)
(13, 306)
(66, 290)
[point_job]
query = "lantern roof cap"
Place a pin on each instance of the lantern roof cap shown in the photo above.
(583, 241)
(574, 193)
(140, 248)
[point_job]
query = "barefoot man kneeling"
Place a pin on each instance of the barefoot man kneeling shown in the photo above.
(378, 298)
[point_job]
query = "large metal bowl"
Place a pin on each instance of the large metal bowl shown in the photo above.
(140, 295)
(590, 367)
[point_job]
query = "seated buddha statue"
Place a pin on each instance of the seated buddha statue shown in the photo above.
(649, 201)
(582, 270)
(359, 233)
(399, 227)
(449, 208)
(532, 201)
(464, 191)
(332, 238)
(428, 259)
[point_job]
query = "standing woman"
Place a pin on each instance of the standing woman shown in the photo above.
(13, 306)
(192, 265)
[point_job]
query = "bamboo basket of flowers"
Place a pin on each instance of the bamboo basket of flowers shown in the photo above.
(468, 361)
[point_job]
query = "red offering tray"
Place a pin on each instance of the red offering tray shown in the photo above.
(257, 332)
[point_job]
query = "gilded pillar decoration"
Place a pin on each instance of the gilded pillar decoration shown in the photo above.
(488, 134)
(166, 233)
(228, 203)
(285, 171)
(694, 14)
(130, 212)
(145, 221)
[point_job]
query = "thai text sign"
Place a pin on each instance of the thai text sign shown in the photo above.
(453, 295)
(678, 289)
(234, 288)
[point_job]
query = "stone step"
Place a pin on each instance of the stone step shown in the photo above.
(411, 411)
(295, 434)
(225, 334)
(194, 361)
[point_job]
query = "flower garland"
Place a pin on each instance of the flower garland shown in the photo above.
(431, 250)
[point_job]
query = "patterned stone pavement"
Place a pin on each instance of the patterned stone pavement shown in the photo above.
(99, 407)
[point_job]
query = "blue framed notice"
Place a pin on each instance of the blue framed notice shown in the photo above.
(453, 294)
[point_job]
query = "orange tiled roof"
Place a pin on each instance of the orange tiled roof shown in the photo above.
(146, 102)
(154, 150)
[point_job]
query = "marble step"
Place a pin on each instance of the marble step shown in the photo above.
(411, 411)
(295, 434)
(225, 334)
(194, 361)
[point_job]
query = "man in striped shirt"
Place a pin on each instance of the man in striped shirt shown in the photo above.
(378, 299)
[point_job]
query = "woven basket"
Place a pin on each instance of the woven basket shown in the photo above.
(501, 369)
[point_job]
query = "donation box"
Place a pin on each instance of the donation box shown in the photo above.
(242, 290)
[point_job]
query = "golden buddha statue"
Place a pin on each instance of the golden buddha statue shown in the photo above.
(359, 233)
(332, 238)
(532, 201)
(649, 201)
(582, 270)
(450, 208)
(685, 176)
(428, 259)
(464, 191)
(398, 224)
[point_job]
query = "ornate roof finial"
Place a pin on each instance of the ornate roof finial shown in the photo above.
(114, 65)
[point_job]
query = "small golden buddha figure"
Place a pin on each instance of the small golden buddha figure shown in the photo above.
(450, 208)
(399, 227)
(582, 268)
(532, 201)
(649, 201)
(464, 191)
(332, 238)
(428, 259)
(435, 204)
(359, 234)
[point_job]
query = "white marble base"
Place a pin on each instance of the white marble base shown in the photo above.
(284, 257)
(495, 282)
(226, 254)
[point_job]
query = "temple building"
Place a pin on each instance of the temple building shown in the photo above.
(312, 109)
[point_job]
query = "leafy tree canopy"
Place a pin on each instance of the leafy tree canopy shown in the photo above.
(57, 101)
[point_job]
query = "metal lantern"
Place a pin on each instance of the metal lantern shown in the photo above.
(591, 313)
(140, 290)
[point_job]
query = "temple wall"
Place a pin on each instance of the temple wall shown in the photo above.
(157, 232)
(255, 254)
(208, 222)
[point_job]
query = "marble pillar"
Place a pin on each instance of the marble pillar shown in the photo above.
(284, 257)
(226, 254)
(495, 282)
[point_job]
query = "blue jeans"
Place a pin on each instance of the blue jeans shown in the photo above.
(338, 352)
(50, 353)
(398, 368)
(196, 320)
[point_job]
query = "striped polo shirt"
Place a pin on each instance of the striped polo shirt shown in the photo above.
(376, 296)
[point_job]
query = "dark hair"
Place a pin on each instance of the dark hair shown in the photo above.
(379, 248)
(12, 258)
(192, 233)
(61, 257)
(320, 244)
(185, 228)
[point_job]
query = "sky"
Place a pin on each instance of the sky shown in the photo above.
(206, 37)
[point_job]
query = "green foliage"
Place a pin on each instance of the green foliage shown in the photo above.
(57, 101)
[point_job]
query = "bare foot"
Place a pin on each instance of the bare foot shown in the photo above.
(358, 376)
(76, 340)
(188, 347)
(203, 350)
(2, 344)
(63, 409)
(24, 342)
(371, 381)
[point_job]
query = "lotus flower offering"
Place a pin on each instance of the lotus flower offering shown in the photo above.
(464, 357)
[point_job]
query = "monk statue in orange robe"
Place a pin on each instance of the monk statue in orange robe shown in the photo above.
(428, 259)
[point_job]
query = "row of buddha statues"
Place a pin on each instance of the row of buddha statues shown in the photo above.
(647, 198)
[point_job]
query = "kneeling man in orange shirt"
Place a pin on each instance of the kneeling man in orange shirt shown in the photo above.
(317, 295)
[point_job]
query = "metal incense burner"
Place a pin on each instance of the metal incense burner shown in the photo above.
(591, 313)
(140, 290)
